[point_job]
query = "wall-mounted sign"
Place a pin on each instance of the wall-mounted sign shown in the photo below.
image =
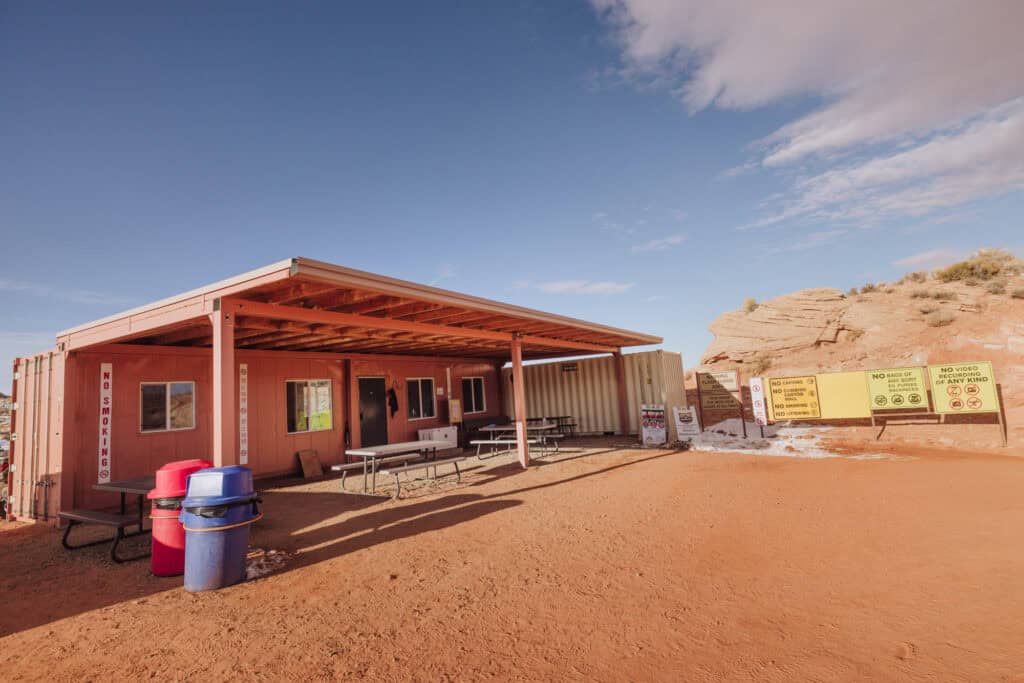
(652, 425)
(454, 411)
(570, 367)
(758, 401)
(687, 425)
(243, 414)
(964, 388)
(106, 422)
(794, 398)
(897, 388)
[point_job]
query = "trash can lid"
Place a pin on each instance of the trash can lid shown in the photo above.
(232, 482)
(171, 479)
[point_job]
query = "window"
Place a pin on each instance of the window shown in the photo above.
(308, 405)
(473, 395)
(166, 406)
(420, 393)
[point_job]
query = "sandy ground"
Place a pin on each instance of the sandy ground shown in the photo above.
(613, 564)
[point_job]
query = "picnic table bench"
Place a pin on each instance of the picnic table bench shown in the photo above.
(373, 455)
(497, 442)
(118, 522)
(423, 464)
(351, 466)
(140, 486)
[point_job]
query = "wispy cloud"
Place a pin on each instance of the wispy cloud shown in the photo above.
(933, 258)
(811, 241)
(584, 287)
(75, 296)
(445, 271)
(660, 244)
(923, 105)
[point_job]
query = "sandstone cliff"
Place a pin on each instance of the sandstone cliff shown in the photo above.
(908, 323)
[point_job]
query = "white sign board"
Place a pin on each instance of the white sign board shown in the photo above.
(652, 425)
(687, 424)
(243, 414)
(757, 399)
(106, 424)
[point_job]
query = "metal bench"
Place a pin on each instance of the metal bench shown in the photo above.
(111, 519)
(423, 464)
(497, 442)
(361, 466)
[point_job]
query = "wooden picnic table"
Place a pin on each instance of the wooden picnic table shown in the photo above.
(372, 454)
(139, 486)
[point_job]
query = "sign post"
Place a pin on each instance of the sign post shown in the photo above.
(759, 403)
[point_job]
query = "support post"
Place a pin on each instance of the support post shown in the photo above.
(225, 409)
(620, 381)
(519, 402)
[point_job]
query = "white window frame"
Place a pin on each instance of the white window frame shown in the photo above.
(483, 395)
(167, 406)
(433, 398)
(330, 396)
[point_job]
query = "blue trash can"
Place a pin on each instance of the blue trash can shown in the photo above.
(219, 506)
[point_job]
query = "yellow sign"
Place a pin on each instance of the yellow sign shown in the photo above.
(843, 395)
(897, 388)
(716, 391)
(454, 411)
(964, 388)
(794, 398)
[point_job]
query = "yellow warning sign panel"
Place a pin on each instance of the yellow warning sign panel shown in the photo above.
(964, 388)
(897, 388)
(793, 398)
(843, 395)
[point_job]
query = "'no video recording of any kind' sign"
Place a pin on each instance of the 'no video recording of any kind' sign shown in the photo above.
(964, 388)
(897, 388)
(794, 398)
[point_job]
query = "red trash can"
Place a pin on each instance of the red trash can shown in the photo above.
(168, 558)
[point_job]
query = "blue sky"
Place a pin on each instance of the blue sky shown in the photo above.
(563, 156)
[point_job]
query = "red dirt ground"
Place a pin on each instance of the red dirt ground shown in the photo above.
(619, 564)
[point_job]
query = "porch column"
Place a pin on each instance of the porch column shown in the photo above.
(225, 436)
(519, 402)
(620, 380)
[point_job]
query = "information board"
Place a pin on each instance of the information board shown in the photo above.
(653, 430)
(964, 388)
(897, 388)
(719, 391)
(794, 398)
(687, 425)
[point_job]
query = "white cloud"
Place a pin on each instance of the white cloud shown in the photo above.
(932, 258)
(584, 287)
(75, 296)
(660, 244)
(938, 83)
(812, 241)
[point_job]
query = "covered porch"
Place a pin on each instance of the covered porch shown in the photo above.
(310, 309)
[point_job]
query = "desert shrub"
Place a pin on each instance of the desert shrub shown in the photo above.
(868, 288)
(984, 265)
(760, 365)
(940, 318)
(916, 276)
(1018, 293)
(854, 333)
(920, 294)
(972, 282)
(928, 308)
(996, 287)
(853, 291)
(750, 305)
(890, 290)
(942, 295)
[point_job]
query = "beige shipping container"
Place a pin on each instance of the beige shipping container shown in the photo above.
(587, 390)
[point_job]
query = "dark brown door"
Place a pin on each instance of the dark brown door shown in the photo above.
(373, 416)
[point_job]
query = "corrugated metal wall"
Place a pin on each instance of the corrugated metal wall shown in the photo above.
(36, 432)
(590, 393)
